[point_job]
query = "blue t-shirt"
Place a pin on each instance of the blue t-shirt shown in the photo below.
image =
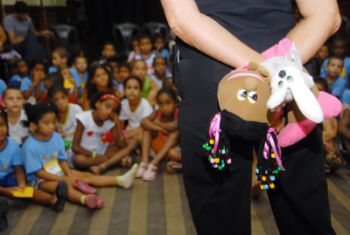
(9, 157)
(16, 80)
(27, 83)
(345, 98)
(337, 88)
(3, 87)
(78, 80)
(36, 153)
(53, 69)
(14, 25)
(345, 72)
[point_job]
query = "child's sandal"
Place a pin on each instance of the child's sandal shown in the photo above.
(97, 170)
(126, 162)
(173, 167)
(150, 173)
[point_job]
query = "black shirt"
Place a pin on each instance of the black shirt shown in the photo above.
(258, 23)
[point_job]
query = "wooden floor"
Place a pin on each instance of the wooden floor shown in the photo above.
(157, 208)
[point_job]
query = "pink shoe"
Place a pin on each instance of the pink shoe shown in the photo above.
(91, 201)
(85, 188)
(100, 203)
(150, 173)
(141, 170)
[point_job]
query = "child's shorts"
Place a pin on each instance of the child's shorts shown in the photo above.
(9, 181)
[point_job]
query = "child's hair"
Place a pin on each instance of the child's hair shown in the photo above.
(62, 52)
(11, 87)
(145, 36)
(79, 57)
(108, 43)
(133, 78)
(36, 62)
(322, 82)
(21, 7)
(102, 95)
(159, 57)
(335, 57)
(168, 91)
(38, 111)
(123, 64)
(91, 87)
(56, 89)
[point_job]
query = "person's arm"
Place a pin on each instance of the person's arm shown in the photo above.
(148, 123)
(14, 39)
(20, 176)
(3, 37)
(117, 134)
(85, 100)
(153, 93)
(220, 44)
(321, 19)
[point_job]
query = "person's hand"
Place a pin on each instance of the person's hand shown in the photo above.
(22, 185)
(70, 179)
(46, 34)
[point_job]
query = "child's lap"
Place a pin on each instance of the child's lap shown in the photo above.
(9, 181)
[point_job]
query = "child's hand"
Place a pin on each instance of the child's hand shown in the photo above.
(22, 185)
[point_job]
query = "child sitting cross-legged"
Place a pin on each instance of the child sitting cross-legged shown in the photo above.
(46, 162)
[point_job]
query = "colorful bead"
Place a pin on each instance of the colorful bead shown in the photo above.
(211, 141)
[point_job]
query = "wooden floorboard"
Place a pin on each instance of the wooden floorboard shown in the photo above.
(155, 208)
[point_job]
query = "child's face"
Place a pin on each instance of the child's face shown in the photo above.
(13, 100)
(159, 44)
(48, 83)
(3, 129)
(100, 78)
(339, 48)
(145, 45)
(61, 101)
(58, 61)
(135, 45)
(106, 109)
(323, 52)
(65, 73)
(334, 67)
(22, 68)
(160, 66)
(108, 51)
(81, 64)
(38, 70)
(123, 73)
(132, 90)
(166, 105)
(46, 125)
(139, 69)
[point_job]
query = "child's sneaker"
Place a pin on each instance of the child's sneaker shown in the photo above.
(94, 202)
(141, 170)
(100, 203)
(4, 209)
(61, 194)
(150, 173)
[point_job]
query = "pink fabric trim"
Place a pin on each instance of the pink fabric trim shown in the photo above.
(280, 49)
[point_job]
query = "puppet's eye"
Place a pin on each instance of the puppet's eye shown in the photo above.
(252, 97)
(242, 94)
(289, 78)
(282, 73)
(280, 84)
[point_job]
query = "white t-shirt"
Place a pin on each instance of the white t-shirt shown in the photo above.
(135, 118)
(92, 135)
(18, 131)
(68, 127)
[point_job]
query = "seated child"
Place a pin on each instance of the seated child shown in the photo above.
(70, 84)
(160, 133)
(59, 59)
(160, 76)
(135, 49)
(149, 87)
(17, 117)
(122, 74)
(98, 135)
(100, 79)
(21, 69)
(32, 87)
(146, 53)
(66, 120)
(108, 51)
(12, 176)
(336, 83)
(46, 162)
(79, 72)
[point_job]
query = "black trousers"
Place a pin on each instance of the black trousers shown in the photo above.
(220, 203)
(300, 204)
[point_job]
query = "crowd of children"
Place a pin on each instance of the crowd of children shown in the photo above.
(62, 126)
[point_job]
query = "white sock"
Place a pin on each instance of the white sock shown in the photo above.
(127, 179)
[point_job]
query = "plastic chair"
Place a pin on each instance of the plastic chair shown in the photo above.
(65, 33)
(153, 28)
(123, 33)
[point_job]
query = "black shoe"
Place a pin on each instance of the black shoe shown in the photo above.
(4, 209)
(62, 194)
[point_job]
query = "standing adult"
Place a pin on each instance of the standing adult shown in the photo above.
(22, 33)
(214, 37)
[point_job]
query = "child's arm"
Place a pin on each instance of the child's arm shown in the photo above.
(148, 123)
(117, 133)
(343, 125)
(85, 101)
(153, 93)
(20, 176)
(169, 126)
(77, 148)
(35, 83)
